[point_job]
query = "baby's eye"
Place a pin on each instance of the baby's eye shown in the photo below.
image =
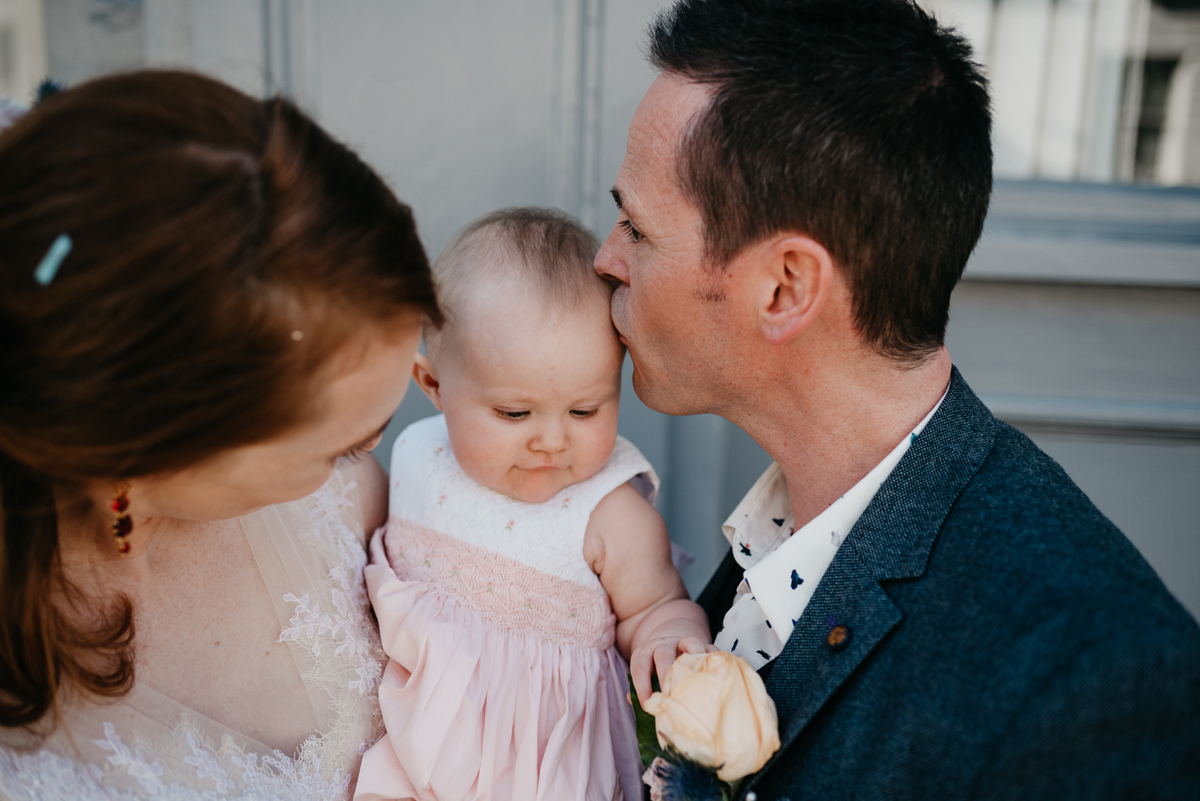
(583, 412)
(634, 234)
(507, 415)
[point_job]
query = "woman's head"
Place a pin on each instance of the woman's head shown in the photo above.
(238, 287)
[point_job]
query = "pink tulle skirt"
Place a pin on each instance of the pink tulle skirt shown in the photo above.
(480, 704)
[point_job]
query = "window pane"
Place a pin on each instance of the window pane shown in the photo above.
(1094, 90)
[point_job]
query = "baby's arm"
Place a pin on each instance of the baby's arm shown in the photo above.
(626, 545)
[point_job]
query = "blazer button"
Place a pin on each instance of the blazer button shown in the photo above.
(839, 637)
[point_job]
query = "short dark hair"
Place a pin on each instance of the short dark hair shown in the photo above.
(860, 123)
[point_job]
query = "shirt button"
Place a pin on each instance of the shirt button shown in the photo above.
(839, 637)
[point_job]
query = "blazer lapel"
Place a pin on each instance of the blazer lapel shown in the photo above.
(809, 670)
(893, 539)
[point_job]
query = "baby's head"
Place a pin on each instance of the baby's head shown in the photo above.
(527, 366)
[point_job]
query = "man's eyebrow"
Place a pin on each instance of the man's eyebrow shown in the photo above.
(616, 196)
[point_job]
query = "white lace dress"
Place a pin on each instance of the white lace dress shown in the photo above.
(146, 745)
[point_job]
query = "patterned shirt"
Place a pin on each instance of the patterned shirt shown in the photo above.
(783, 566)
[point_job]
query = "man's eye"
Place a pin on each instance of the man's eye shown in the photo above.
(507, 415)
(634, 234)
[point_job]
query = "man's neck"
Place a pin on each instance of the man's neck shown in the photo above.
(829, 425)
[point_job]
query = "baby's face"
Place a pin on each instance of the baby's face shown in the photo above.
(530, 402)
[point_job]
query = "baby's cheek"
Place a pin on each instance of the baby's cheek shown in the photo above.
(599, 449)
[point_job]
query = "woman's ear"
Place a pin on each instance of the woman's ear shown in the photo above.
(797, 277)
(427, 380)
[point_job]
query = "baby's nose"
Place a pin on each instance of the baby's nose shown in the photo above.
(551, 439)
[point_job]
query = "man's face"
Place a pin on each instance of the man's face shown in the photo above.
(669, 307)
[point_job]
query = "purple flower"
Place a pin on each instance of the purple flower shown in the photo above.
(682, 781)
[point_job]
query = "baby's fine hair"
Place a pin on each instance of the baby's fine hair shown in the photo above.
(545, 248)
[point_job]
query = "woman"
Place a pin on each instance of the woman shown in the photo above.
(208, 309)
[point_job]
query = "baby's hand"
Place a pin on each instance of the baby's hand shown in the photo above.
(626, 544)
(658, 654)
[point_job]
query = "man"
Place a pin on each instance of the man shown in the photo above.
(801, 189)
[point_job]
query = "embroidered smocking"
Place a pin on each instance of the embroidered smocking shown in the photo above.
(512, 596)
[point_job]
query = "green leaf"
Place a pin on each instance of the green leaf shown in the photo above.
(646, 736)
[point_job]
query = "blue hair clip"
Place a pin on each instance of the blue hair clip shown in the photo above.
(53, 259)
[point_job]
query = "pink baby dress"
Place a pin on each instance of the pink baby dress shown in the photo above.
(503, 680)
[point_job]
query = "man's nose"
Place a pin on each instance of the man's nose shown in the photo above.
(609, 264)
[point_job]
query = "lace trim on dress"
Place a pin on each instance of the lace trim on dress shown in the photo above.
(178, 761)
(334, 625)
(513, 596)
(227, 773)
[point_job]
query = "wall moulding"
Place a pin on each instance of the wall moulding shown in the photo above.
(1119, 235)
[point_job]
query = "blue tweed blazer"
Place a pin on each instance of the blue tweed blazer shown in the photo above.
(1007, 641)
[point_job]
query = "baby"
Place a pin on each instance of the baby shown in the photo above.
(523, 556)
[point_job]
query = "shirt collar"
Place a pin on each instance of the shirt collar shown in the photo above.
(763, 519)
(761, 526)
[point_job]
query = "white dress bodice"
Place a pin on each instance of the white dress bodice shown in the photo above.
(146, 745)
(430, 490)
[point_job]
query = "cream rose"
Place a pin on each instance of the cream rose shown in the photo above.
(714, 710)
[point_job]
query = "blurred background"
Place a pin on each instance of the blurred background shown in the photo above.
(1078, 320)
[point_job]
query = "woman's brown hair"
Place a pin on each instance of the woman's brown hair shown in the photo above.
(207, 226)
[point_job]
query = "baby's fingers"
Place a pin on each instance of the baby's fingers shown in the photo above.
(640, 662)
(664, 656)
(694, 645)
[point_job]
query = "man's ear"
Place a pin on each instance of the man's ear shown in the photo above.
(427, 380)
(797, 278)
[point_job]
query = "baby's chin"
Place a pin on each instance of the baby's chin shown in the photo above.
(536, 486)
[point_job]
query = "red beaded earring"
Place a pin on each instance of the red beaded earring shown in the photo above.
(122, 525)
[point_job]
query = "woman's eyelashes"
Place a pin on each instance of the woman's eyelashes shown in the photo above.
(358, 452)
(633, 234)
(355, 453)
(353, 456)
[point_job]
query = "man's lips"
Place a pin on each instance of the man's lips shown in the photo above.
(617, 311)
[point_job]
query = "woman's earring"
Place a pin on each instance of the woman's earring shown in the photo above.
(122, 525)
